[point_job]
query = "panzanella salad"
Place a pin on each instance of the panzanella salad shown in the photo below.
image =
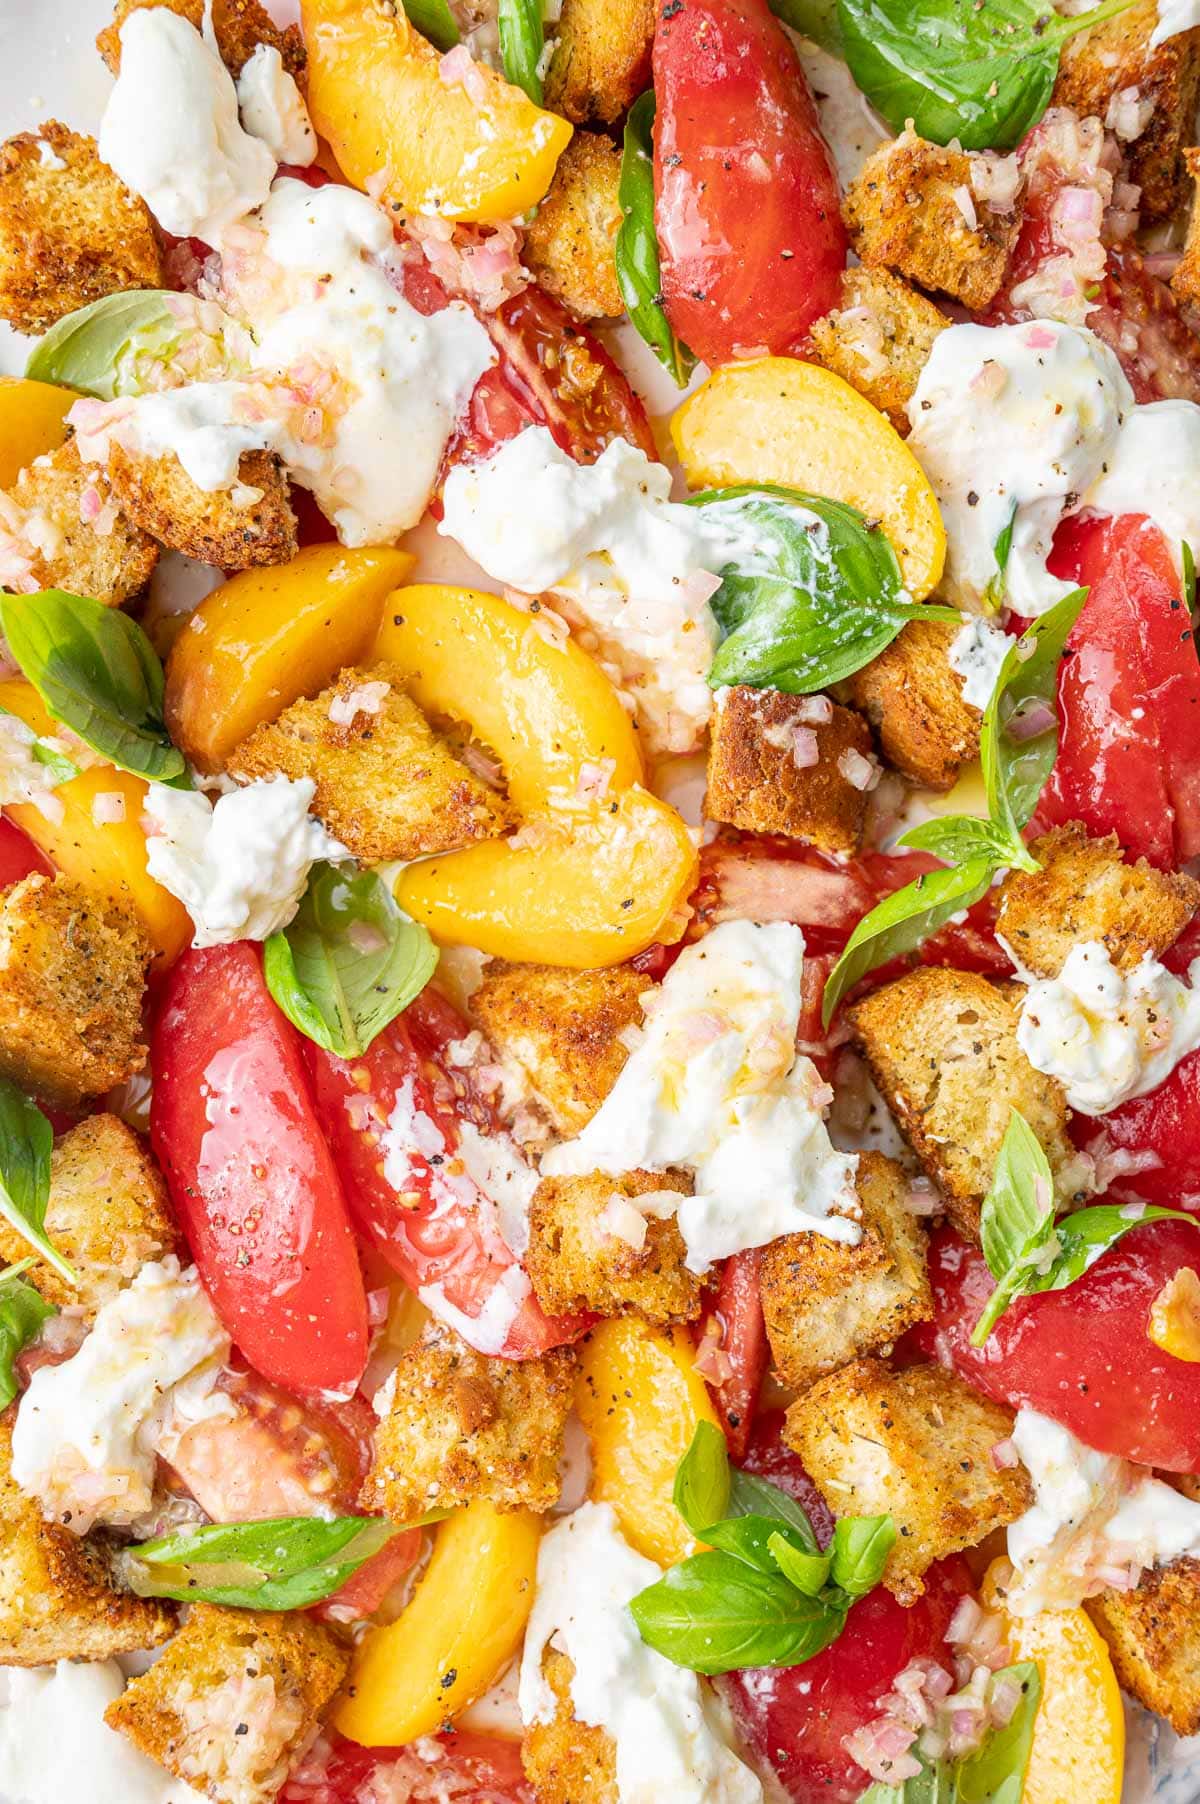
(600, 905)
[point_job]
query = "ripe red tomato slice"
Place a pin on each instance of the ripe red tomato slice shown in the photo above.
(1081, 1355)
(19, 857)
(741, 1347)
(795, 1719)
(746, 194)
(769, 1456)
(1128, 695)
(254, 1185)
(470, 1769)
(1167, 1124)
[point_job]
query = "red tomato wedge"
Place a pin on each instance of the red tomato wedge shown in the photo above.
(1164, 1127)
(253, 1183)
(469, 1769)
(19, 857)
(396, 1121)
(747, 209)
(1081, 1356)
(769, 1456)
(738, 1348)
(1128, 694)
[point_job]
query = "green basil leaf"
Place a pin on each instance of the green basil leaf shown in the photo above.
(715, 1614)
(1018, 1209)
(816, 20)
(809, 1572)
(980, 71)
(522, 40)
(1016, 765)
(957, 837)
(93, 349)
(899, 923)
(48, 754)
(348, 962)
(810, 592)
(1188, 559)
(701, 1489)
(996, 1773)
(98, 673)
(859, 1549)
(751, 1496)
(749, 1538)
(22, 1312)
(1069, 1250)
(26, 1139)
(936, 1783)
(639, 273)
(434, 20)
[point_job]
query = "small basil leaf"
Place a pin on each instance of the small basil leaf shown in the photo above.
(859, 1549)
(899, 923)
(98, 673)
(93, 349)
(1017, 763)
(1019, 1206)
(955, 838)
(1188, 558)
(749, 1538)
(751, 1496)
(701, 1489)
(996, 1773)
(522, 40)
(26, 1139)
(1078, 1240)
(22, 1312)
(994, 594)
(434, 20)
(809, 1572)
(639, 272)
(715, 1614)
(348, 962)
(816, 20)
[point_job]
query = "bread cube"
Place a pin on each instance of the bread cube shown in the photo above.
(760, 777)
(579, 1257)
(566, 1761)
(914, 700)
(74, 534)
(879, 339)
(601, 60)
(1153, 1635)
(108, 42)
(570, 241)
(250, 524)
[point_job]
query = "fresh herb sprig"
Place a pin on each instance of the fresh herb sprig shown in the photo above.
(26, 1140)
(763, 1594)
(638, 268)
(434, 20)
(522, 41)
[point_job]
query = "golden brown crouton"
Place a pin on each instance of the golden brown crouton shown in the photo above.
(240, 26)
(826, 1303)
(563, 1028)
(107, 1214)
(70, 230)
(915, 1445)
(601, 59)
(234, 1700)
(911, 210)
(758, 778)
(55, 1599)
(879, 339)
(1153, 1635)
(72, 974)
(577, 1260)
(1099, 64)
(388, 786)
(942, 1047)
(461, 1426)
(105, 556)
(251, 523)
(1086, 892)
(569, 245)
(1185, 282)
(914, 700)
(108, 43)
(566, 1761)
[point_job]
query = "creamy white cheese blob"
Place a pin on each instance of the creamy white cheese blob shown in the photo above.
(273, 109)
(1094, 1520)
(88, 1431)
(1152, 470)
(713, 1083)
(239, 866)
(1012, 425)
(207, 425)
(666, 1744)
(609, 540)
(1174, 16)
(171, 129)
(55, 1744)
(1108, 1035)
(977, 651)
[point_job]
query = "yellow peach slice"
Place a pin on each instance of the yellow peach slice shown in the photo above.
(32, 421)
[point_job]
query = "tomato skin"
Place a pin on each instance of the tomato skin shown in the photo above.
(738, 1309)
(19, 857)
(739, 160)
(1081, 1356)
(253, 1183)
(769, 1456)
(1169, 1118)
(795, 1719)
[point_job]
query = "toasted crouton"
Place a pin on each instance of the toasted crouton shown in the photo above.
(1086, 892)
(563, 1028)
(1185, 282)
(462, 1426)
(601, 59)
(234, 1700)
(55, 1599)
(577, 1260)
(757, 779)
(70, 230)
(911, 210)
(1153, 1635)
(1116, 56)
(566, 1761)
(107, 1214)
(914, 700)
(388, 786)
(105, 556)
(108, 42)
(569, 245)
(915, 1445)
(240, 26)
(72, 975)
(251, 523)
(879, 339)
(826, 1303)
(942, 1047)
